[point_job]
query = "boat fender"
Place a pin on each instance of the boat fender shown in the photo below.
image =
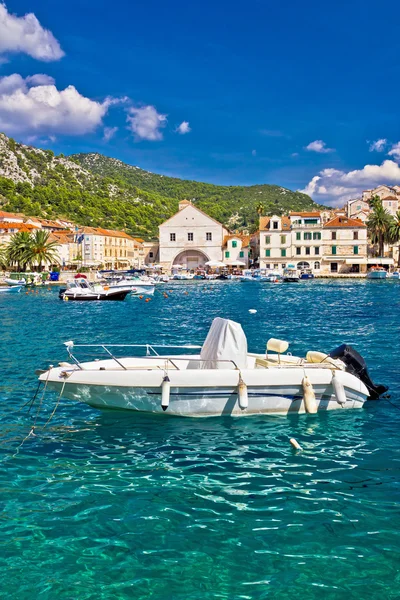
(66, 298)
(338, 389)
(295, 444)
(310, 403)
(242, 394)
(165, 392)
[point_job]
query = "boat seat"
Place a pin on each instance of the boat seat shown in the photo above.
(274, 360)
(321, 358)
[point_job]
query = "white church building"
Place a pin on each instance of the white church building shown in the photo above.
(190, 238)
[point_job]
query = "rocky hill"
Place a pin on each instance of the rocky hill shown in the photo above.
(91, 189)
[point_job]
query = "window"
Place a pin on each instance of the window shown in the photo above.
(334, 235)
(267, 239)
(355, 250)
(276, 266)
(151, 254)
(234, 244)
(283, 252)
(303, 265)
(283, 265)
(267, 266)
(307, 235)
(227, 254)
(317, 265)
(241, 254)
(172, 237)
(298, 235)
(334, 268)
(311, 221)
(283, 239)
(268, 252)
(355, 235)
(275, 224)
(334, 249)
(316, 250)
(209, 236)
(298, 250)
(359, 207)
(316, 235)
(190, 237)
(308, 250)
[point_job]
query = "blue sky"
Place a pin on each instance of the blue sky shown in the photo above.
(303, 95)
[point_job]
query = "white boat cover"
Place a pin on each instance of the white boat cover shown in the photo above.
(225, 341)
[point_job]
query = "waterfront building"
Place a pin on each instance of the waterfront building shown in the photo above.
(110, 248)
(390, 196)
(236, 250)
(344, 246)
(275, 242)
(7, 217)
(190, 238)
(151, 252)
(358, 209)
(8, 229)
(306, 239)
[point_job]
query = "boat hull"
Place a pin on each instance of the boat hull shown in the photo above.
(94, 297)
(377, 275)
(141, 390)
(15, 289)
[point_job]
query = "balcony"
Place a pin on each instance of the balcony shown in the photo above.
(307, 225)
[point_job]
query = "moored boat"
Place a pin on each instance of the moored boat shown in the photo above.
(377, 273)
(223, 379)
(291, 275)
(81, 290)
(10, 289)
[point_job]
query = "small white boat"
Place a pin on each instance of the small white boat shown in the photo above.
(10, 289)
(223, 379)
(377, 273)
(80, 290)
(14, 282)
(291, 275)
(136, 286)
(394, 275)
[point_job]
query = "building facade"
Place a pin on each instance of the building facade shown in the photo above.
(190, 238)
(236, 250)
(303, 240)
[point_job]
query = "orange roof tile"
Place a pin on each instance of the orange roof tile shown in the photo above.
(344, 222)
(244, 238)
(4, 215)
(19, 226)
(264, 222)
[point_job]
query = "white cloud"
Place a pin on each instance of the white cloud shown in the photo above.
(109, 133)
(254, 152)
(183, 128)
(332, 186)
(395, 151)
(28, 107)
(318, 146)
(26, 35)
(39, 79)
(378, 145)
(145, 123)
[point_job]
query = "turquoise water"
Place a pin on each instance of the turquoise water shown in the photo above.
(116, 505)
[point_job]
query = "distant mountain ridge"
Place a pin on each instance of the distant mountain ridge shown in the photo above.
(92, 189)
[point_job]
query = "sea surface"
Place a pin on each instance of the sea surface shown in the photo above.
(116, 505)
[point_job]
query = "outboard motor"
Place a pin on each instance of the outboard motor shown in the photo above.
(356, 365)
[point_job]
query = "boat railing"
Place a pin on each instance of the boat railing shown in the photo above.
(151, 353)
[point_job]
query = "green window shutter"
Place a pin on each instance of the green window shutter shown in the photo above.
(234, 244)
(226, 254)
(283, 252)
(355, 249)
(283, 239)
(241, 254)
(268, 252)
(316, 235)
(333, 249)
(298, 235)
(267, 239)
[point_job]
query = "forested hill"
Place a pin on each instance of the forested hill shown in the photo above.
(91, 189)
(235, 206)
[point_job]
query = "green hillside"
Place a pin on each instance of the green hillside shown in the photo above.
(91, 189)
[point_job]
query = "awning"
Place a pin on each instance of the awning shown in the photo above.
(381, 261)
(356, 261)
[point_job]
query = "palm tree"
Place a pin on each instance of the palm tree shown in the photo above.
(394, 233)
(42, 249)
(378, 224)
(18, 249)
(260, 208)
(3, 258)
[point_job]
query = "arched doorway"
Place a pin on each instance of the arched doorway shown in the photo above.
(303, 265)
(191, 259)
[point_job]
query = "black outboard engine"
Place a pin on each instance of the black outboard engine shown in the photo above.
(356, 365)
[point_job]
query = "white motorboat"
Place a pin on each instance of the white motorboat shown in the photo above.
(291, 275)
(223, 379)
(80, 289)
(377, 273)
(136, 286)
(10, 289)
(14, 282)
